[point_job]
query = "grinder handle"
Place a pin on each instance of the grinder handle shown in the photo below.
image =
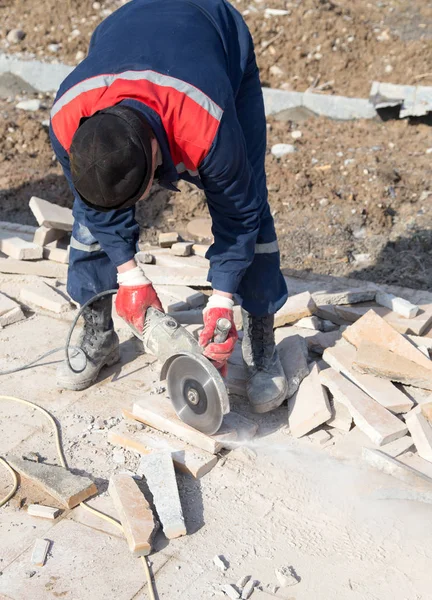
(222, 329)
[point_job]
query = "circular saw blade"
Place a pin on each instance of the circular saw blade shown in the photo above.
(197, 392)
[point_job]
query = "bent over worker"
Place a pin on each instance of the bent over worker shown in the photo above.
(170, 90)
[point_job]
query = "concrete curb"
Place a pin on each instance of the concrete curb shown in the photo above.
(47, 77)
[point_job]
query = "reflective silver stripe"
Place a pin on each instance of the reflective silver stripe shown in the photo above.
(180, 168)
(74, 243)
(268, 248)
(158, 78)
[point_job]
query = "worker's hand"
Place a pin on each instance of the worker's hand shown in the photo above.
(136, 294)
(218, 307)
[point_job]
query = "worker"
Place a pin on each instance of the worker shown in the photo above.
(170, 90)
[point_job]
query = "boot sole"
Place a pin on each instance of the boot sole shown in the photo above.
(269, 406)
(112, 359)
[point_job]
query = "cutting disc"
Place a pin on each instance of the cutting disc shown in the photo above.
(197, 392)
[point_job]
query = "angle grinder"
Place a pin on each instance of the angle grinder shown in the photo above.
(195, 386)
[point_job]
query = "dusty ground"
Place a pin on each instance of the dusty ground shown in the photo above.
(339, 43)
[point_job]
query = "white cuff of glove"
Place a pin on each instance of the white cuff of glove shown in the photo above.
(132, 277)
(217, 301)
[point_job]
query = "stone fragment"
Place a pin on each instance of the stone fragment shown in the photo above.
(200, 250)
(158, 469)
(341, 417)
(295, 308)
(280, 150)
(310, 406)
(12, 316)
(70, 490)
(186, 458)
(293, 355)
(51, 215)
(248, 589)
(230, 591)
(56, 254)
(353, 296)
(182, 248)
(45, 512)
(145, 258)
(185, 294)
(426, 409)
(20, 249)
(398, 305)
(320, 437)
(40, 268)
(6, 304)
(286, 576)
(341, 357)
(42, 295)
(391, 466)
(166, 240)
(200, 229)
(47, 235)
(373, 419)
(379, 361)
(242, 582)
(134, 512)
(40, 551)
(32, 105)
(313, 322)
(15, 36)
(398, 447)
(329, 313)
(327, 326)
(190, 276)
(421, 433)
(417, 325)
(221, 563)
(372, 328)
(418, 340)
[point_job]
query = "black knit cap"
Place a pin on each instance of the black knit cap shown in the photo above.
(111, 158)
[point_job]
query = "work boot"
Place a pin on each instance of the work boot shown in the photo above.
(267, 385)
(100, 344)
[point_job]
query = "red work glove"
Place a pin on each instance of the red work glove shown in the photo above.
(218, 307)
(134, 297)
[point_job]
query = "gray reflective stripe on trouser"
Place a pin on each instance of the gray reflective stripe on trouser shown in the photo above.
(152, 76)
(84, 247)
(180, 168)
(268, 248)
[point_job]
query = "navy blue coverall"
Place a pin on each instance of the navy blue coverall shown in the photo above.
(189, 67)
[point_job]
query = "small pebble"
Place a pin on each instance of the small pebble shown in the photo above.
(280, 150)
(242, 582)
(287, 576)
(53, 48)
(80, 55)
(296, 135)
(230, 591)
(248, 589)
(220, 563)
(15, 36)
(31, 105)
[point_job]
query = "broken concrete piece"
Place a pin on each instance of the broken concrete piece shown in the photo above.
(6, 304)
(40, 268)
(160, 275)
(313, 322)
(293, 355)
(398, 447)
(60, 483)
(186, 294)
(220, 563)
(421, 433)
(341, 417)
(44, 512)
(46, 235)
(166, 240)
(158, 469)
(341, 357)
(391, 466)
(182, 248)
(310, 406)
(287, 576)
(230, 591)
(379, 361)
(242, 582)
(200, 250)
(134, 512)
(373, 419)
(42, 295)
(20, 249)
(158, 412)
(295, 308)
(200, 229)
(353, 296)
(372, 328)
(40, 551)
(186, 458)
(414, 100)
(145, 258)
(398, 305)
(51, 215)
(56, 254)
(248, 589)
(11, 317)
